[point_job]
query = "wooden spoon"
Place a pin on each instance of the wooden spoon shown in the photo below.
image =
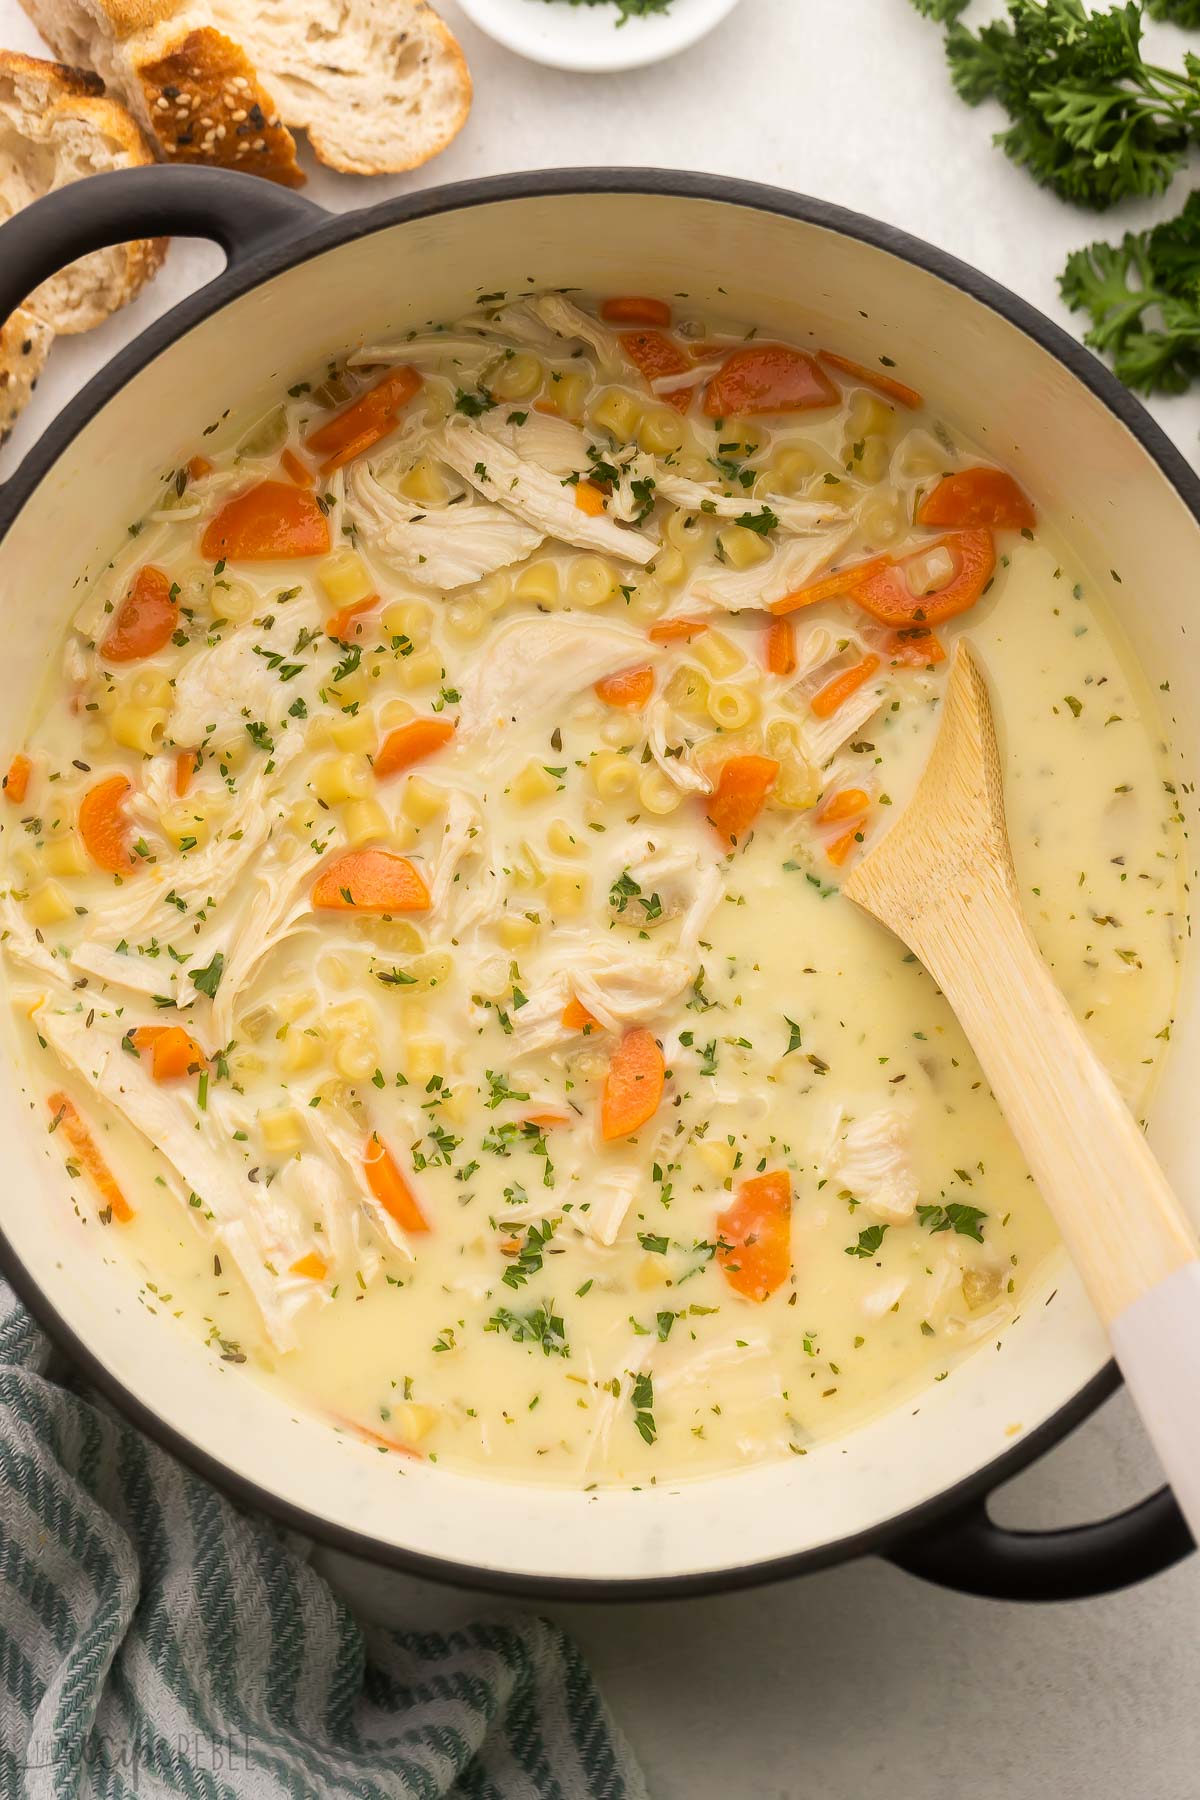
(942, 879)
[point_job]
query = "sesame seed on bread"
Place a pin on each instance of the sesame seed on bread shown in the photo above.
(206, 104)
(24, 346)
(377, 87)
(192, 87)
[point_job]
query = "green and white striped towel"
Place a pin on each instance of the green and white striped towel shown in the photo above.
(156, 1641)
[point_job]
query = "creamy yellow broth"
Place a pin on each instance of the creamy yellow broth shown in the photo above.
(541, 1301)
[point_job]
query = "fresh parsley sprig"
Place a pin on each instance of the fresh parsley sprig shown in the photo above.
(1089, 118)
(629, 9)
(1143, 298)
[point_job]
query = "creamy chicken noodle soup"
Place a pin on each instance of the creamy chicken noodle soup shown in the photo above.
(422, 887)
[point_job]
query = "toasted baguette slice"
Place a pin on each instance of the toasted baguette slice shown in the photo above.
(193, 89)
(55, 127)
(24, 346)
(377, 87)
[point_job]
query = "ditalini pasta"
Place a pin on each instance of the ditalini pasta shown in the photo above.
(421, 880)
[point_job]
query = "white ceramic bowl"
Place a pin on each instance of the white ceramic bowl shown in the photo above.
(303, 287)
(593, 39)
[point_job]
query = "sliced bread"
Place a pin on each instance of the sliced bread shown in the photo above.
(377, 87)
(56, 126)
(194, 90)
(24, 346)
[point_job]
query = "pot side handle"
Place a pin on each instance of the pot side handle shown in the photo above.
(969, 1552)
(242, 213)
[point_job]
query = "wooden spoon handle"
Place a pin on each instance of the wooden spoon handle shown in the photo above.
(1124, 1228)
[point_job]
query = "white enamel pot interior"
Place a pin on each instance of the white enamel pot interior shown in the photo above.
(803, 272)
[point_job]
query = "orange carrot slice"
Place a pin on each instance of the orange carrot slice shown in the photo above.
(742, 788)
(628, 688)
(764, 378)
(673, 631)
(839, 850)
(680, 398)
(411, 743)
(311, 1266)
(781, 647)
(103, 825)
(296, 470)
(16, 782)
(576, 1017)
(835, 693)
(185, 768)
(872, 378)
(654, 354)
(635, 309)
(269, 521)
(977, 497)
(371, 417)
(633, 1086)
(145, 618)
(546, 1121)
(849, 803)
(838, 586)
(198, 467)
(389, 1186)
(757, 1227)
(370, 881)
(887, 595)
(589, 499)
(173, 1051)
(913, 647)
(341, 624)
(87, 1154)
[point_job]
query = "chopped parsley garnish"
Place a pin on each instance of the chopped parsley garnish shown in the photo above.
(528, 1260)
(642, 1399)
(869, 1241)
(207, 981)
(541, 1326)
(965, 1220)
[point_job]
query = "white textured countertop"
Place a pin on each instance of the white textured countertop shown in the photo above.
(858, 1683)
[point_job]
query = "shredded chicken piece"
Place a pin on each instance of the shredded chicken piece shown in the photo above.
(794, 563)
(26, 945)
(553, 443)
(345, 1143)
(879, 1300)
(610, 1190)
(822, 738)
(737, 1349)
(227, 685)
(308, 1183)
(619, 986)
(533, 493)
(517, 321)
(814, 648)
(536, 661)
(433, 346)
(677, 762)
(208, 873)
(568, 321)
(150, 976)
(254, 1224)
(281, 904)
(462, 835)
(444, 547)
(800, 516)
(870, 1157)
(686, 880)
